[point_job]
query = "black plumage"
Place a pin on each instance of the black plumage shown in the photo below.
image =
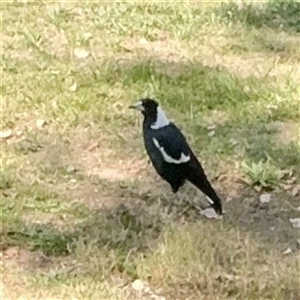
(170, 153)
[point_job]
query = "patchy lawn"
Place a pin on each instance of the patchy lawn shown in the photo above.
(84, 216)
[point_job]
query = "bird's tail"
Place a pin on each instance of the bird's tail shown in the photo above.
(216, 204)
(200, 180)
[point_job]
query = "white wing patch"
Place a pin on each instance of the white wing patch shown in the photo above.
(183, 158)
(209, 200)
(161, 119)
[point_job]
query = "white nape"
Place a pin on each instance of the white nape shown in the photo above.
(161, 119)
(183, 158)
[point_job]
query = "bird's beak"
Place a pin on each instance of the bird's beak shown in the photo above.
(138, 106)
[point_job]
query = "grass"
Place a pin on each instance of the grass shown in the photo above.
(80, 215)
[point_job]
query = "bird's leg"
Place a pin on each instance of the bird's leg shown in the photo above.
(181, 204)
(171, 206)
(195, 205)
(166, 203)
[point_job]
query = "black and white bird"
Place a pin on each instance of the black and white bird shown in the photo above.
(170, 153)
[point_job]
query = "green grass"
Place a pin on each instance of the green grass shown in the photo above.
(83, 213)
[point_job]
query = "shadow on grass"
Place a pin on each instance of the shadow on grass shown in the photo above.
(136, 224)
(119, 233)
(283, 15)
(114, 241)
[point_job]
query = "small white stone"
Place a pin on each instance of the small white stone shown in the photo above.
(138, 285)
(81, 53)
(210, 214)
(233, 142)
(287, 251)
(55, 72)
(296, 190)
(211, 133)
(295, 222)
(87, 35)
(73, 87)
(40, 123)
(5, 134)
(246, 89)
(143, 41)
(265, 198)
(70, 169)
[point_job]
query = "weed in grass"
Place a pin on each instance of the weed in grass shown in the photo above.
(263, 174)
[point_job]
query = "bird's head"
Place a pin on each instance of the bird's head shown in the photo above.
(154, 115)
(146, 106)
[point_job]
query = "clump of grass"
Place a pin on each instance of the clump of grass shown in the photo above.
(263, 174)
(40, 238)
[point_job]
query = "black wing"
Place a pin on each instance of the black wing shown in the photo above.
(173, 141)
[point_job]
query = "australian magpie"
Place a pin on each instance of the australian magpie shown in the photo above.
(170, 153)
